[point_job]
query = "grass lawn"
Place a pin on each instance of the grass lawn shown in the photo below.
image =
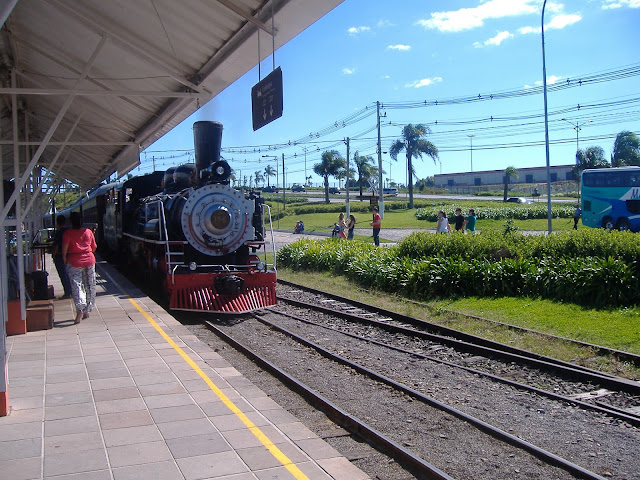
(616, 328)
(323, 222)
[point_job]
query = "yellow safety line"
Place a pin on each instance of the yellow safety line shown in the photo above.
(275, 451)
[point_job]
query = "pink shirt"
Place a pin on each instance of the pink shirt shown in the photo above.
(79, 243)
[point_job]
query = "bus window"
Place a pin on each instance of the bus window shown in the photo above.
(633, 206)
(616, 179)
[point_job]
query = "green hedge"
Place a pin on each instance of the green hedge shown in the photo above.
(513, 211)
(590, 267)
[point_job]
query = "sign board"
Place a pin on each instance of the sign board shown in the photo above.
(266, 99)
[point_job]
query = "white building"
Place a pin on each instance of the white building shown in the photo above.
(561, 173)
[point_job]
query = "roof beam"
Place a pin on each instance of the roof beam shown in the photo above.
(20, 182)
(247, 16)
(138, 50)
(101, 93)
(75, 144)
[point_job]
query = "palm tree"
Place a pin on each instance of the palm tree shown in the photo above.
(308, 181)
(626, 150)
(269, 172)
(414, 144)
(509, 173)
(257, 175)
(365, 167)
(331, 164)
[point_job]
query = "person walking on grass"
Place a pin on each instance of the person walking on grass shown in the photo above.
(61, 227)
(576, 216)
(376, 224)
(459, 219)
(470, 222)
(351, 224)
(443, 223)
(78, 245)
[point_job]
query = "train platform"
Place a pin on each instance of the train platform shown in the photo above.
(130, 393)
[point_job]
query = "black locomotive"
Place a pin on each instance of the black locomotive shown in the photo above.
(192, 232)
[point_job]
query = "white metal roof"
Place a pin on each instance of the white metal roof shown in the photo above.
(92, 82)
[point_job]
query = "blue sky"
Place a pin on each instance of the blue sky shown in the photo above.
(407, 52)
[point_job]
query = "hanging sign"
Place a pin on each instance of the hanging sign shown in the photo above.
(266, 99)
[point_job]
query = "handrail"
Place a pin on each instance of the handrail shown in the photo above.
(273, 242)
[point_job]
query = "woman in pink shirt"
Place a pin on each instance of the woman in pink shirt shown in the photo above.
(78, 245)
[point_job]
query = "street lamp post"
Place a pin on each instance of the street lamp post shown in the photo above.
(471, 141)
(275, 157)
(546, 121)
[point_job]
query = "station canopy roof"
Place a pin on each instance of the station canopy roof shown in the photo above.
(93, 82)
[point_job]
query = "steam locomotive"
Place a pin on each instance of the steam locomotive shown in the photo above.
(192, 233)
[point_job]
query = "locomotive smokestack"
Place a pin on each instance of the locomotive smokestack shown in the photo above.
(207, 139)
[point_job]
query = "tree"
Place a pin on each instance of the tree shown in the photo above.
(414, 144)
(365, 168)
(509, 173)
(592, 157)
(626, 150)
(424, 183)
(257, 175)
(269, 172)
(331, 164)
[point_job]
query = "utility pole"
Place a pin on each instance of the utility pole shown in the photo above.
(380, 196)
(577, 128)
(347, 187)
(284, 186)
(153, 161)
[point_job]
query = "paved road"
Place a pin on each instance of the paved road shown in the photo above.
(282, 237)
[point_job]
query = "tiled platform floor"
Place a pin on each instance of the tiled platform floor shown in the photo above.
(111, 398)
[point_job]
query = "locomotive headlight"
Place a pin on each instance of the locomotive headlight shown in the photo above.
(193, 266)
(220, 219)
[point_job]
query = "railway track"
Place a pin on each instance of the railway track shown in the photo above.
(430, 410)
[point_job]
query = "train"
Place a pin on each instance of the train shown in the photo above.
(189, 231)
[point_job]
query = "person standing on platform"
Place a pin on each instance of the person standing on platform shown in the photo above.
(78, 245)
(61, 227)
(376, 224)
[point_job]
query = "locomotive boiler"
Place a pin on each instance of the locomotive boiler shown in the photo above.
(191, 231)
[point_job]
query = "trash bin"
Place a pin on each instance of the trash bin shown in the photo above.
(40, 287)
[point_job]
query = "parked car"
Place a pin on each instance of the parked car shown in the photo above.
(298, 188)
(390, 191)
(518, 200)
(270, 189)
(334, 190)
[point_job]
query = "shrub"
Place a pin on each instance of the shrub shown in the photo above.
(588, 267)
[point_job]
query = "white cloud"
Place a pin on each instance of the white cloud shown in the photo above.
(495, 41)
(357, 30)
(561, 21)
(348, 71)
(425, 82)
(610, 4)
(384, 23)
(551, 80)
(468, 18)
(400, 47)
(526, 30)
(557, 23)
